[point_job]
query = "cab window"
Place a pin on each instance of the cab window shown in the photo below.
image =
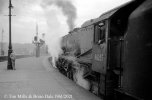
(99, 33)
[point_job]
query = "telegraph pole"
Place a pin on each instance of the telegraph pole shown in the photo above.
(9, 64)
(38, 42)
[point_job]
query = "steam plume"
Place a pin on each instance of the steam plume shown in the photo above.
(67, 8)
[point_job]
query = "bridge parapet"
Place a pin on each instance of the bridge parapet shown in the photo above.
(4, 58)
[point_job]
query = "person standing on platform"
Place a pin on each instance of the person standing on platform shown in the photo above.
(12, 56)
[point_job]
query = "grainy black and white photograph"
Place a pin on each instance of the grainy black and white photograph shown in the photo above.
(75, 49)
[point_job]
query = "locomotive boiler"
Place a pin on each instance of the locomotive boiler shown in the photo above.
(114, 51)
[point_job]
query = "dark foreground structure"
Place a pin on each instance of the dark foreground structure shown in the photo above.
(115, 52)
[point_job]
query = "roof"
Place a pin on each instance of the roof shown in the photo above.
(104, 16)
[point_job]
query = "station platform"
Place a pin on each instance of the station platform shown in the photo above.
(35, 79)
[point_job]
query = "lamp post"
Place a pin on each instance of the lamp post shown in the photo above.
(9, 64)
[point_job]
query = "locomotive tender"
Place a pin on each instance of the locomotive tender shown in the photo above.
(115, 50)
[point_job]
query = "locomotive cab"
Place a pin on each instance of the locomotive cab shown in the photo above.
(108, 47)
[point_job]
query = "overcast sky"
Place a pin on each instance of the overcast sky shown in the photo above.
(49, 15)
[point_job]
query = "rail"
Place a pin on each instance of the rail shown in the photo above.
(4, 58)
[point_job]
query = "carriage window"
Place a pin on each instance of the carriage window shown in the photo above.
(99, 33)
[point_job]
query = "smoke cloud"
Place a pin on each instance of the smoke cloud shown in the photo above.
(67, 8)
(55, 23)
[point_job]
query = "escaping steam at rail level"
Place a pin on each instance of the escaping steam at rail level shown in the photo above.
(69, 12)
(55, 45)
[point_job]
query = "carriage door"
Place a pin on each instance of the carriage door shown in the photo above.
(99, 48)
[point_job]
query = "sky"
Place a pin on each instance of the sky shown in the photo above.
(49, 16)
(55, 18)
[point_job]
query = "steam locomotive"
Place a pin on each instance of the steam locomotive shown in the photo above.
(114, 51)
